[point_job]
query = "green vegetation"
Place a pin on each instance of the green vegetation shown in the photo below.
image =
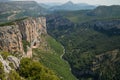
(20, 19)
(57, 47)
(101, 12)
(11, 65)
(7, 24)
(81, 49)
(2, 74)
(88, 44)
(76, 16)
(25, 44)
(52, 59)
(32, 70)
(4, 54)
(13, 75)
(28, 70)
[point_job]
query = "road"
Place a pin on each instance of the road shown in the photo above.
(63, 58)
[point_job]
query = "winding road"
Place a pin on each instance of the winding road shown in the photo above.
(63, 58)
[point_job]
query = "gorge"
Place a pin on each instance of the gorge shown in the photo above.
(39, 42)
(28, 38)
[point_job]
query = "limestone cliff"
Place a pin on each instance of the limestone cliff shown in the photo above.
(29, 30)
(10, 60)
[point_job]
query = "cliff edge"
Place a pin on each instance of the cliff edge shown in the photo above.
(22, 36)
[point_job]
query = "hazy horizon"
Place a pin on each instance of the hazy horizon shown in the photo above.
(93, 2)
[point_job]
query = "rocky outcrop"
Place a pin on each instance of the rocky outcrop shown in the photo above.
(6, 66)
(29, 30)
(15, 61)
(6, 63)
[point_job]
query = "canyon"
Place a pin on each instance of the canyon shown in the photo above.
(63, 45)
(28, 38)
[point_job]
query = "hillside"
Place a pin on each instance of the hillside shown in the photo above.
(101, 12)
(92, 44)
(18, 9)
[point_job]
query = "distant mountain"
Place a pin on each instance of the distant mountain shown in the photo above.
(44, 5)
(17, 9)
(19, 5)
(113, 10)
(70, 6)
(101, 12)
(49, 5)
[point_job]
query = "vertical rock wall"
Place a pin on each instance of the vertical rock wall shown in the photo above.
(29, 30)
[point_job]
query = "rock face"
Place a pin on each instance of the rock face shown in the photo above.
(32, 29)
(29, 30)
(6, 63)
(10, 38)
(6, 66)
(15, 61)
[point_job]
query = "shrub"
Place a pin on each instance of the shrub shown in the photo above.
(2, 74)
(25, 44)
(4, 54)
(11, 65)
(13, 75)
(35, 71)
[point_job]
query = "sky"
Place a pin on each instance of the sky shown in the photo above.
(93, 2)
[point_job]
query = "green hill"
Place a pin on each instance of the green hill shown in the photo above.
(101, 12)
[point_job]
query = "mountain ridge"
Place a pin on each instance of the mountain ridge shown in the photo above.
(70, 6)
(18, 9)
